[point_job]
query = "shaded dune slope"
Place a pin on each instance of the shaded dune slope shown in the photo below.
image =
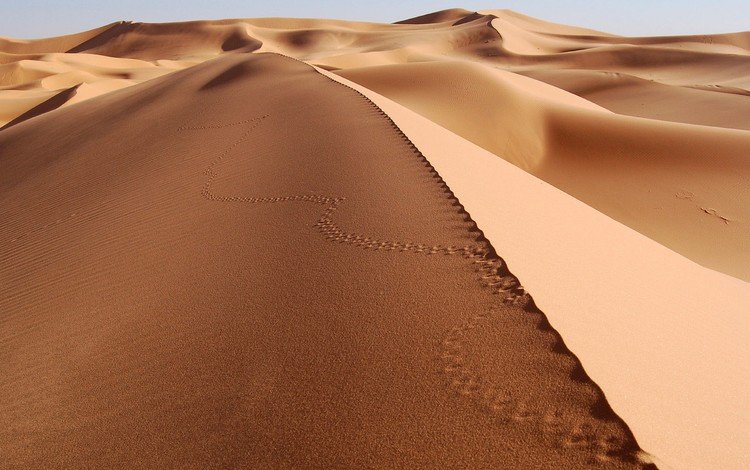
(450, 15)
(170, 40)
(250, 276)
(639, 97)
(53, 103)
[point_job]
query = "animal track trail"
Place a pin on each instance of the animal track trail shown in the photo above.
(492, 274)
(325, 224)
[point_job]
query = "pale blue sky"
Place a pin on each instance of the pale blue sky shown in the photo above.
(39, 18)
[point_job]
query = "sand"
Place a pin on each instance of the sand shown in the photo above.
(673, 383)
(215, 255)
(303, 303)
(447, 66)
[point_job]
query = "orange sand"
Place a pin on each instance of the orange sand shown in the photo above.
(218, 258)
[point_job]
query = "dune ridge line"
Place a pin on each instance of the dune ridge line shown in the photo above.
(493, 274)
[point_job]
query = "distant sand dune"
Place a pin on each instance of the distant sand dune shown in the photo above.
(631, 169)
(53, 103)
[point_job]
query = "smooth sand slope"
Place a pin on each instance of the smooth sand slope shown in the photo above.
(671, 354)
(247, 264)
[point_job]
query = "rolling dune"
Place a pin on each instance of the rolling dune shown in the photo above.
(280, 242)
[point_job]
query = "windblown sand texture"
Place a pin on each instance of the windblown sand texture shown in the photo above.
(214, 255)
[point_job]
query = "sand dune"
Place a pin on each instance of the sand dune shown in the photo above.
(691, 79)
(215, 255)
(502, 38)
(56, 44)
(124, 300)
(684, 186)
(638, 97)
(673, 383)
(32, 79)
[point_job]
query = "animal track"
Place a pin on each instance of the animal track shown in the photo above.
(714, 213)
(491, 273)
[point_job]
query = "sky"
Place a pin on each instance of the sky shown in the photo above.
(44, 18)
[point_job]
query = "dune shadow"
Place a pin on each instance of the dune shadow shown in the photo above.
(469, 18)
(230, 75)
(106, 36)
(49, 105)
(237, 41)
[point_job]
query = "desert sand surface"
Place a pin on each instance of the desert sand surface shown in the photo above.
(673, 383)
(685, 186)
(283, 301)
(215, 255)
